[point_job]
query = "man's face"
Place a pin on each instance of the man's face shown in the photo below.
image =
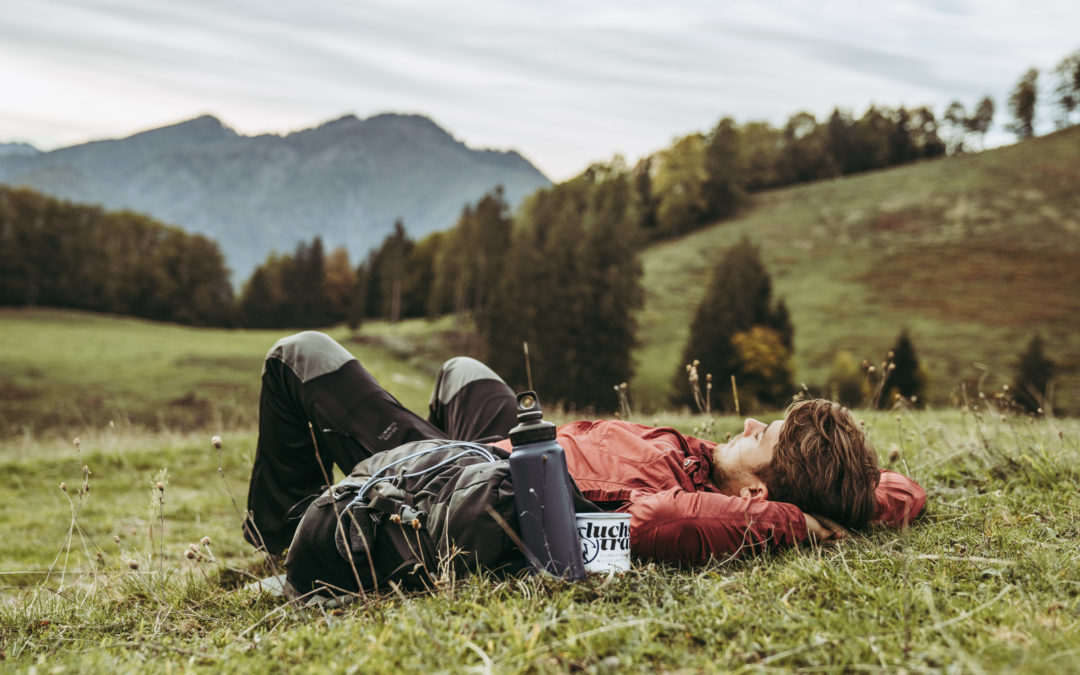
(736, 463)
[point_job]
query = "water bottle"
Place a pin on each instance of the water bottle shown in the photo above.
(542, 493)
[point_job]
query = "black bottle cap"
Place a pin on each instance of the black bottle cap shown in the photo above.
(531, 425)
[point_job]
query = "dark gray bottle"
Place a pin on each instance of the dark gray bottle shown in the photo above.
(542, 493)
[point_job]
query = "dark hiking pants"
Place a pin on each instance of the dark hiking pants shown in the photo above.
(319, 407)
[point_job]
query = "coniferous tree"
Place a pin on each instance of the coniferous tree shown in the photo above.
(723, 187)
(357, 307)
(738, 331)
(840, 132)
(289, 291)
(646, 200)
(471, 258)
(763, 148)
(386, 275)
(1034, 373)
(903, 375)
(611, 292)
(450, 286)
(901, 147)
(806, 154)
(419, 278)
(311, 303)
(489, 241)
(570, 287)
(339, 285)
(259, 302)
(526, 299)
(872, 139)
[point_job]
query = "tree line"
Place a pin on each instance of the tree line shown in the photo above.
(561, 276)
(58, 254)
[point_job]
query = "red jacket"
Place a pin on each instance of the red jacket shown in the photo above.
(661, 478)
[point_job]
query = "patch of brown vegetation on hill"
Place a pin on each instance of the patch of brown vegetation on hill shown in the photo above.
(987, 283)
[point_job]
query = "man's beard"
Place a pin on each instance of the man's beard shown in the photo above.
(720, 477)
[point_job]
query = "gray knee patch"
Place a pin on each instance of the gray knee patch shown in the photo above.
(309, 354)
(455, 374)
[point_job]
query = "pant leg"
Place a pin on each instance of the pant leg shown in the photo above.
(471, 403)
(310, 378)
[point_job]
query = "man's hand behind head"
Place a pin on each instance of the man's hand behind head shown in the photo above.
(823, 463)
(821, 528)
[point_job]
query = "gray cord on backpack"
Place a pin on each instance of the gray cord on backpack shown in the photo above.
(375, 478)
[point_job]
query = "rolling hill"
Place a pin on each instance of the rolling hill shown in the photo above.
(346, 180)
(972, 254)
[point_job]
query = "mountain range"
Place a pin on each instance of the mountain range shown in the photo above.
(346, 180)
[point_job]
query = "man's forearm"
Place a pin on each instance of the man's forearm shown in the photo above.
(899, 500)
(691, 527)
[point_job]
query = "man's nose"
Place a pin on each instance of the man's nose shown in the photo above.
(752, 426)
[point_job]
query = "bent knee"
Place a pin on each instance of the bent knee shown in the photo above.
(310, 354)
(458, 372)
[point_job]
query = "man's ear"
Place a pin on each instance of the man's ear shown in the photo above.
(756, 491)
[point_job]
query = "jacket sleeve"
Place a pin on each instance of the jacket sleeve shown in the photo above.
(690, 527)
(899, 500)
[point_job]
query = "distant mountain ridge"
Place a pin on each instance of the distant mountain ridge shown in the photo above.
(20, 149)
(346, 180)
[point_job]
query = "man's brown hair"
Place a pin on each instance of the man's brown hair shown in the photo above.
(823, 464)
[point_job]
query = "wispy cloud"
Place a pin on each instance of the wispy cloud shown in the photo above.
(563, 82)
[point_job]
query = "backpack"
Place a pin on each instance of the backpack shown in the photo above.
(411, 515)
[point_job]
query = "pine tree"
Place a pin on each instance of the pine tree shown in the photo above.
(418, 281)
(840, 132)
(723, 337)
(723, 188)
(1034, 374)
(471, 259)
(903, 375)
(356, 310)
(311, 298)
(386, 275)
(807, 155)
(339, 284)
(570, 286)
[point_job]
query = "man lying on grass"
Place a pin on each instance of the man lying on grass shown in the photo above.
(689, 499)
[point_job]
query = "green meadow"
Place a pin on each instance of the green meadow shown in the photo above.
(102, 570)
(61, 370)
(972, 254)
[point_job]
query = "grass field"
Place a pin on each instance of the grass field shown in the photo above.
(973, 254)
(968, 253)
(987, 581)
(98, 579)
(61, 370)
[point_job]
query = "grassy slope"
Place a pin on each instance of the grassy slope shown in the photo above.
(73, 369)
(972, 254)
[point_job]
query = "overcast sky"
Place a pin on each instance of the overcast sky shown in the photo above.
(564, 83)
